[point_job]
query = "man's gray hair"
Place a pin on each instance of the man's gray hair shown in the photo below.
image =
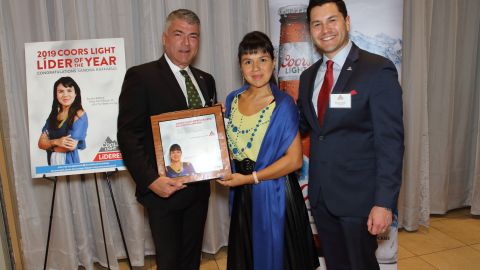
(182, 14)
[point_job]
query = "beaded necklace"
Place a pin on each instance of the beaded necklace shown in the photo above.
(238, 130)
(175, 169)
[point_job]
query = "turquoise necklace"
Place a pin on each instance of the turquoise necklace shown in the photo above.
(238, 130)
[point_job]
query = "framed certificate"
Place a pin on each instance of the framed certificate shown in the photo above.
(191, 144)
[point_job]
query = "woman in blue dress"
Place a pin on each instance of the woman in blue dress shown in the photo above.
(178, 168)
(65, 130)
(269, 228)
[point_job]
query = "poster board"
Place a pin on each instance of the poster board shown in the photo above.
(97, 66)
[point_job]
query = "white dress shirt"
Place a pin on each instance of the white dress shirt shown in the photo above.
(181, 80)
(338, 61)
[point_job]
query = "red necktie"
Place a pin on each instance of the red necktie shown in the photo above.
(324, 94)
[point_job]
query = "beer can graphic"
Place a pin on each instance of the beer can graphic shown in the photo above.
(295, 47)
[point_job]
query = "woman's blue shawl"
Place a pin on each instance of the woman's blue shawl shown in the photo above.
(78, 132)
(268, 197)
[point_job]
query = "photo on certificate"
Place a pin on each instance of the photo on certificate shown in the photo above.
(191, 144)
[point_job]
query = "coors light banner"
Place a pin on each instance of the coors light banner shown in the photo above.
(73, 88)
(376, 26)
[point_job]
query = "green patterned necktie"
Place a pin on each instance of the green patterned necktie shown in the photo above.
(194, 100)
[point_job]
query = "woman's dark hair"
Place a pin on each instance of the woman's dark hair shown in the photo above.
(255, 42)
(56, 106)
(175, 147)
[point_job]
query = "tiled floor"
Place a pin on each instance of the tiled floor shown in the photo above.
(452, 242)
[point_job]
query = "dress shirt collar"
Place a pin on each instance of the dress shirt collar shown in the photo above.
(176, 69)
(339, 59)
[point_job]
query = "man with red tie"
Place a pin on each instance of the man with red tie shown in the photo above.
(350, 102)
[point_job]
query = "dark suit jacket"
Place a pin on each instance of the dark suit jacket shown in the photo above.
(356, 157)
(147, 90)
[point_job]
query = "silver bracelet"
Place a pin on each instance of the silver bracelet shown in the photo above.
(255, 178)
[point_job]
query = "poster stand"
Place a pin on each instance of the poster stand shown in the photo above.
(101, 220)
(107, 177)
(54, 180)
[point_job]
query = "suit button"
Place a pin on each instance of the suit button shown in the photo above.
(321, 138)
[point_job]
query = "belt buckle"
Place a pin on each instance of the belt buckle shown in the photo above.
(248, 165)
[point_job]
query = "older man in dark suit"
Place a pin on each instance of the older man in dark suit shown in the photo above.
(351, 103)
(177, 213)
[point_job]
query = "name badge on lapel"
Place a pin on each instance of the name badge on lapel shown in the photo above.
(341, 101)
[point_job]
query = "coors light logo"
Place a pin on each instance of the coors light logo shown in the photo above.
(108, 151)
(295, 47)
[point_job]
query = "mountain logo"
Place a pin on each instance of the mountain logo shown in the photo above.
(108, 151)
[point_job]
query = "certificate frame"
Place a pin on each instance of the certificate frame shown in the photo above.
(200, 136)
